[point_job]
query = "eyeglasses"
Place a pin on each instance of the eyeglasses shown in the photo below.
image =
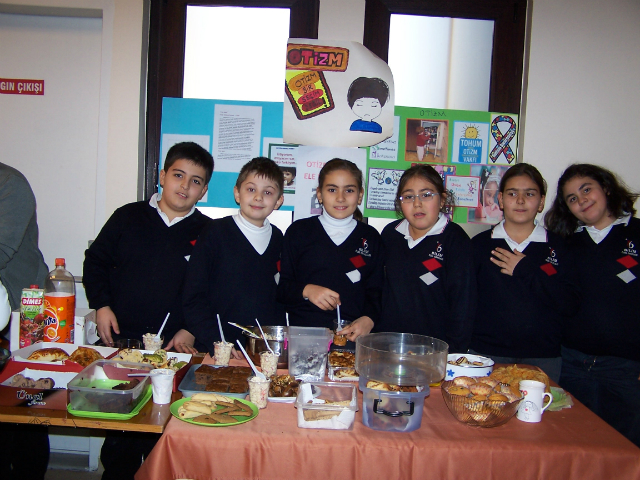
(423, 197)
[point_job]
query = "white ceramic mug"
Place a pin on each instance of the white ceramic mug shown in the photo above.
(531, 407)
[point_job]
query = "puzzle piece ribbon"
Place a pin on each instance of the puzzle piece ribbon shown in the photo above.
(503, 140)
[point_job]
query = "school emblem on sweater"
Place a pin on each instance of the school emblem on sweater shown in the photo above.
(358, 262)
(630, 249)
(432, 264)
(364, 248)
(551, 263)
(629, 262)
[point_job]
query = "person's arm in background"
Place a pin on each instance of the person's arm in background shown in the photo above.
(99, 261)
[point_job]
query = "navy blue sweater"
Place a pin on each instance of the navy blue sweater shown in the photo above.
(137, 265)
(309, 256)
(608, 322)
(523, 315)
(227, 276)
(430, 289)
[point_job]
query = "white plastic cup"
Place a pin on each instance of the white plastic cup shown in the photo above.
(150, 342)
(531, 407)
(222, 353)
(162, 385)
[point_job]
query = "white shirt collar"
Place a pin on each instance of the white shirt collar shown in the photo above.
(338, 229)
(153, 201)
(599, 235)
(539, 234)
(438, 228)
(259, 237)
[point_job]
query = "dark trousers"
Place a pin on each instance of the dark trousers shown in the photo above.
(123, 452)
(24, 451)
(609, 386)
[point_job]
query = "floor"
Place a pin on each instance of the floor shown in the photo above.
(70, 467)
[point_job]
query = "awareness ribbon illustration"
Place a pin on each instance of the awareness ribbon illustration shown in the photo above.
(503, 140)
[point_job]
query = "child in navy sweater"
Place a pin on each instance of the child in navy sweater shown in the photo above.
(429, 286)
(601, 345)
(333, 259)
(522, 271)
(233, 270)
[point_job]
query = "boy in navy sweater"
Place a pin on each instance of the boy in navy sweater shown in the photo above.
(234, 269)
(134, 273)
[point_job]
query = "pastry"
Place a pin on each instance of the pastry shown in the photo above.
(53, 354)
(85, 356)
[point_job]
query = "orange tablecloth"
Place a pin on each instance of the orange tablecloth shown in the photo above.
(569, 444)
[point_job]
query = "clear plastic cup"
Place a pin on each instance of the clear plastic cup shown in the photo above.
(162, 385)
(128, 343)
(268, 363)
(259, 391)
(151, 343)
(222, 353)
(339, 340)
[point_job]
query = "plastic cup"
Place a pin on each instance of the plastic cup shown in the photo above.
(268, 363)
(150, 342)
(162, 385)
(259, 391)
(222, 353)
(339, 340)
(128, 343)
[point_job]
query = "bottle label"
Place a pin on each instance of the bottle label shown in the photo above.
(31, 316)
(59, 312)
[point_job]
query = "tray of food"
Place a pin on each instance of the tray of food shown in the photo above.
(148, 393)
(342, 366)
(227, 381)
(213, 410)
(283, 389)
(57, 353)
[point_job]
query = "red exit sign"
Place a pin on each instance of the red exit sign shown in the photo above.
(20, 86)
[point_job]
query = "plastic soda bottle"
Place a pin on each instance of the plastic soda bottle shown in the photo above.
(59, 304)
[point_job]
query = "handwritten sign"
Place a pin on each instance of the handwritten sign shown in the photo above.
(464, 190)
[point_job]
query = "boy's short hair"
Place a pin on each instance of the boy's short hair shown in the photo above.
(364, 87)
(262, 167)
(194, 153)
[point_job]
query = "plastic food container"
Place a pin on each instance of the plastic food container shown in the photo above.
(392, 411)
(256, 345)
(326, 405)
(343, 369)
(308, 348)
(401, 358)
(466, 369)
(92, 389)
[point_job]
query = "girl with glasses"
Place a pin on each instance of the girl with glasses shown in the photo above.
(429, 286)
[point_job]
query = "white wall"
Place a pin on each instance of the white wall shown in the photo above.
(584, 90)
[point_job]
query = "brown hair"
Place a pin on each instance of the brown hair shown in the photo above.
(428, 173)
(348, 166)
(192, 152)
(262, 167)
(524, 169)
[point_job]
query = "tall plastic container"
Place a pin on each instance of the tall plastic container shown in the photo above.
(59, 304)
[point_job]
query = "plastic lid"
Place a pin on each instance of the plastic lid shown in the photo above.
(33, 286)
(60, 262)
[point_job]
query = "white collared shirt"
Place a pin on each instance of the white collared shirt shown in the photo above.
(539, 234)
(599, 235)
(438, 228)
(338, 229)
(259, 237)
(155, 198)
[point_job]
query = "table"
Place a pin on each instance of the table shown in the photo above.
(569, 444)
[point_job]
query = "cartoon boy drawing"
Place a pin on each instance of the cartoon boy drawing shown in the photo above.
(366, 97)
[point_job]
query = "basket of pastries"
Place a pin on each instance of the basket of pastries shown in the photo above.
(480, 401)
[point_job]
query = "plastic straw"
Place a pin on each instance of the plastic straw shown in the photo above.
(162, 327)
(287, 314)
(339, 320)
(255, 370)
(220, 327)
(264, 337)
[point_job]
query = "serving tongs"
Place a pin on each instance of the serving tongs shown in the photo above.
(251, 334)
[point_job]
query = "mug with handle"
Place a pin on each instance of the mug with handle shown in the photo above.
(531, 407)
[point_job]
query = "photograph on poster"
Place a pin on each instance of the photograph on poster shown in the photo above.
(488, 209)
(427, 141)
(470, 142)
(463, 189)
(382, 188)
(285, 157)
(503, 143)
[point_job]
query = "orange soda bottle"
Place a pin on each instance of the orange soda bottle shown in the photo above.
(59, 304)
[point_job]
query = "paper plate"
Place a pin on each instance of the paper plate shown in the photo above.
(177, 404)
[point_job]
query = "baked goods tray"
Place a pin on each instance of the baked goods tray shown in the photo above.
(344, 369)
(146, 396)
(189, 387)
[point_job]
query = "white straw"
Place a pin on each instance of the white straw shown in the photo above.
(287, 314)
(339, 321)
(162, 327)
(220, 327)
(264, 337)
(255, 370)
